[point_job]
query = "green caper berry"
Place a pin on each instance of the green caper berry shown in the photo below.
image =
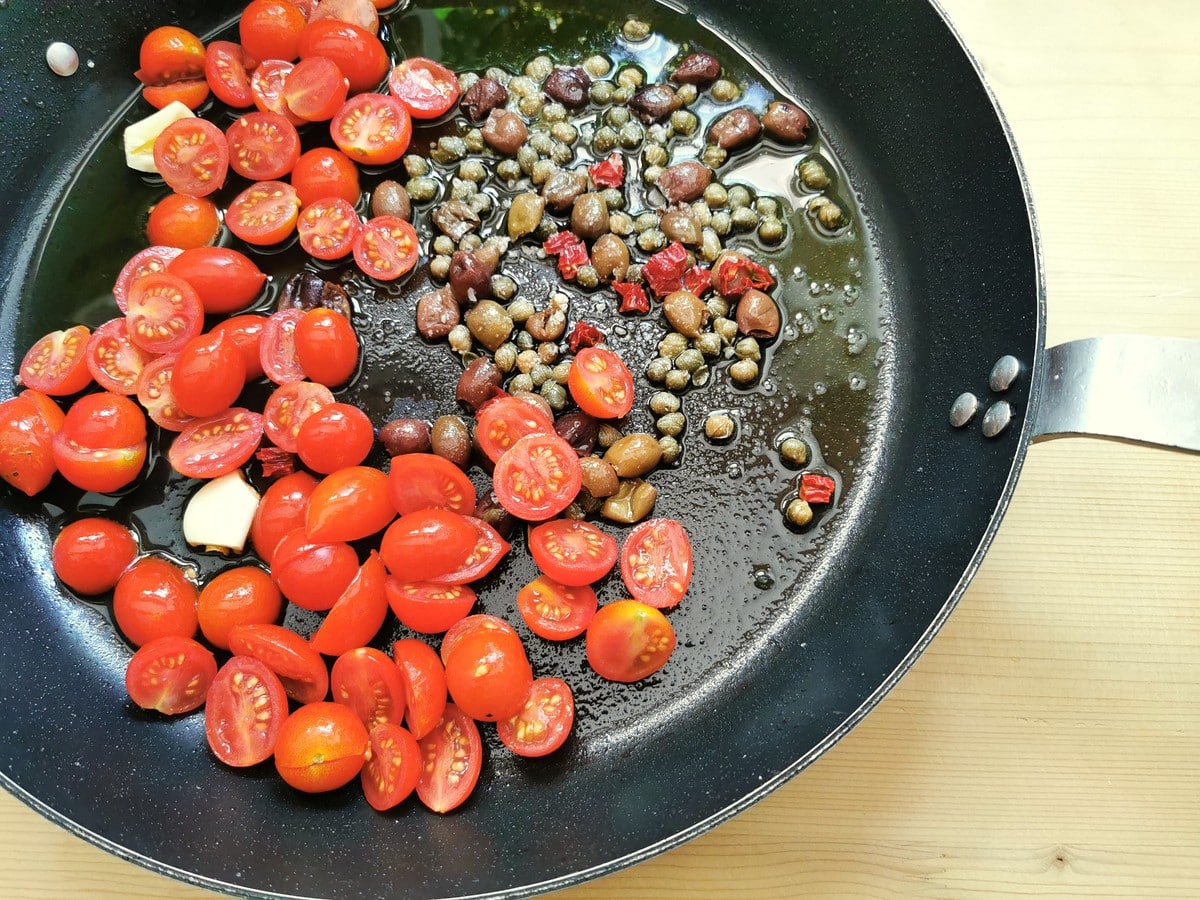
(672, 424)
(672, 344)
(520, 309)
(506, 357)
(460, 338)
(657, 369)
(524, 340)
(678, 380)
(744, 371)
(561, 373)
(687, 94)
(663, 402)
(715, 195)
(702, 212)
(421, 189)
(726, 328)
(684, 122)
(604, 140)
(542, 170)
(508, 170)
(799, 513)
(503, 288)
(689, 360)
(713, 156)
(561, 153)
(631, 77)
(828, 213)
(724, 91)
(521, 86)
(526, 360)
(719, 427)
(622, 94)
(540, 373)
(768, 207)
(467, 80)
(539, 67)
(564, 132)
(554, 113)
(744, 218)
(617, 116)
(541, 142)
(656, 155)
(472, 170)
(499, 243)
(670, 449)
(439, 267)
(813, 175)
(470, 241)
(451, 147)
(416, 166)
(747, 348)
(722, 222)
(771, 230)
(634, 273)
(442, 245)
(620, 224)
(645, 222)
(613, 199)
(631, 135)
(651, 174)
(462, 190)
(710, 241)
(597, 66)
(794, 452)
(555, 394)
(740, 196)
(601, 92)
(531, 106)
(587, 278)
(498, 74)
(701, 376)
(548, 353)
(651, 240)
(635, 30)
(520, 382)
(474, 141)
(526, 158)
(659, 133)
(709, 343)
(546, 229)
(718, 306)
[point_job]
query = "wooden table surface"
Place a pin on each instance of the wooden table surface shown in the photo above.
(1049, 740)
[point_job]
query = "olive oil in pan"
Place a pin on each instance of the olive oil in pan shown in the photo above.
(820, 380)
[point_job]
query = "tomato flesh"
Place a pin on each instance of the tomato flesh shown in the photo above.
(358, 613)
(424, 685)
(572, 552)
(428, 607)
(544, 722)
(537, 477)
(488, 549)
(367, 681)
(244, 712)
(488, 677)
(386, 248)
(263, 146)
(505, 420)
(656, 563)
(56, 364)
(225, 72)
(357, 53)
(102, 443)
(425, 481)
(451, 758)
(601, 383)
(328, 228)
(393, 766)
(289, 407)
(144, 262)
(216, 445)
(192, 156)
(555, 611)
(164, 312)
(628, 641)
(27, 460)
(264, 213)
(171, 675)
(427, 89)
(372, 129)
(277, 351)
(114, 360)
(299, 667)
(315, 89)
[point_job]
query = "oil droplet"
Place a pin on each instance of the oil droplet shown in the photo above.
(850, 294)
(825, 314)
(857, 382)
(734, 470)
(819, 388)
(763, 579)
(806, 323)
(856, 341)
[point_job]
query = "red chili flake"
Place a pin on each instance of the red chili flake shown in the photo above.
(571, 259)
(633, 298)
(816, 488)
(697, 280)
(734, 274)
(584, 334)
(559, 241)
(664, 270)
(608, 172)
(275, 462)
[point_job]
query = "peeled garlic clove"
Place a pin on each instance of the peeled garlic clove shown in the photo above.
(62, 58)
(219, 515)
(140, 136)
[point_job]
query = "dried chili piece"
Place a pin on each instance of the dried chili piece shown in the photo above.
(584, 334)
(697, 279)
(571, 251)
(275, 462)
(816, 488)
(664, 270)
(733, 274)
(559, 241)
(608, 172)
(633, 298)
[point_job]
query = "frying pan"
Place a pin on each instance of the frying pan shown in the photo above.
(891, 590)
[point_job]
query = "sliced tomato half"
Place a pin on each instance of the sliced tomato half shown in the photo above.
(150, 261)
(428, 481)
(544, 723)
(164, 312)
(56, 364)
(216, 445)
(537, 477)
(451, 757)
(245, 711)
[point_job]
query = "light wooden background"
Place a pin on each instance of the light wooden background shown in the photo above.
(1049, 740)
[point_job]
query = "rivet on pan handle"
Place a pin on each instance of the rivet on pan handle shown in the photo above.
(1128, 387)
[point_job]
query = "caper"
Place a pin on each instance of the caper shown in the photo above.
(439, 267)
(527, 157)
(718, 306)
(726, 328)
(561, 153)
(709, 343)
(740, 196)
(522, 86)
(541, 142)
(547, 352)
(655, 155)
(672, 424)
(467, 80)
(443, 245)
(526, 360)
(421, 189)
(503, 288)
(658, 369)
(744, 371)
(684, 122)
(542, 170)
(564, 132)
(799, 513)
(475, 141)
(520, 382)
(520, 310)
(813, 175)
(460, 338)
(672, 344)
(539, 67)
(524, 340)
(416, 166)
(620, 223)
(710, 242)
(604, 140)
(794, 452)
(663, 402)
(716, 195)
(607, 435)
(497, 74)
(744, 218)
(631, 77)
(678, 380)
(622, 94)
(687, 93)
(561, 373)
(472, 170)
(554, 112)
(670, 449)
(713, 156)
(724, 91)
(719, 427)
(470, 242)
(449, 148)
(506, 357)
(631, 135)
(601, 92)
(530, 106)
(828, 213)
(747, 348)
(771, 230)
(617, 116)
(546, 229)
(689, 360)
(508, 170)
(701, 376)
(651, 240)
(722, 223)
(635, 30)
(555, 394)
(587, 278)
(612, 198)
(702, 213)
(651, 174)
(645, 222)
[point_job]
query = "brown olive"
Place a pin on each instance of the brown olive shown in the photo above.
(700, 69)
(482, 97)
(471, 273)
(680, 224)
(490, 323)
(610, 257)
(654, 103)
(308, 290)
(450, 439)
(489, 509)
(758, 315)
(455, 219)
(437, 313)
(589, 216)
(569, 86)
(786, 122)
(632, 502)
(525, 214)
(391, 199)
(736, 128)
(547, 325)
(686, 312)
(401, 436)
(634, 455)
(535, 400)
(579, 430)
(561, 188)
(684, 181)
(478, 383)
(599, 477)
(504, 131)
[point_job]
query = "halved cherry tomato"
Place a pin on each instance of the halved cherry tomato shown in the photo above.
(153, 598)
(489, 549)
(572, 552)
(428, 607)
(271, 29)
(144, 262)
(328, 228)
(155, 395)
(267, 83)
(225, 71)
(326, 346)
(451, 757)
(57, 363)
(503, 421)
(372, 129)
(488, 677)
(358, 53)
(283, 508)
(208, 375)
(321, 747)
(26, 445)
(299, 667)
(628, 641)
(243, 595)
(178, 220)
(90, 555)
(426, 544)
(246, 333)
(350, 504)
(102, 443)
(475, 624)
(544, 722)
(393, 766)
(367, 681)
(225, 279)
(325, 174)
(428, 481)
(601, 383)
(264, 213)
(190, 93)
(656, 563)
(169, 54)
(315, 89)
(427, 89)
(216, 445)
(163, 313)
(313, 574)
(244, 712)
(537, 477)
(358, 12)
(335, 437)
(263, 146)
(359, 612)
(277, 349)
(287, 409)
(171, 675)
(424, 684)
(192, 156)
(386, 248)
(113, 359)
(555, 611)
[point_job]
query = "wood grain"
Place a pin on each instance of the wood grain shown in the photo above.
(1046, 744)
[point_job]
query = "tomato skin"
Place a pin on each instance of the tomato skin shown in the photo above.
(90, 555)
(485, 555)
(427, 89)
(335, 437)
(163, 314)
(324, 174)
(367, 681)
(190, 93)
(424, 684)
(225, 72)
(315, 89)
(425, 481)
(56, 364)
(313, 574)
(326, 346)
(263, 146)
(289, 407)
(208, 375)
(656, 563)
(267, 82)
(475, 624)
(488, 677)
(350, 504)
(113, 360)
(216, 445)
(328, 228)
(246, 333)
(554, 611)
(372, 129)
(544, 722)
(144, 262)
(537, 477)
(224, 279)
(282, 509)
(299, 668)
(358, 613)
(244, 712)
(243, 595)
(171, 675)
(451, 757)
(264, 213)
(359, 12)
(358, 53)
(572, 552)
(505, 420)
(322, 746)
(628, 641)
(155, 395)
(153, 598)
(601, 383)
(181, 221)
(393, 766)
(192, 156)
(26, 445)
(168, 54)
(428, 607)
(271, 29)
(102, 443)
(427, 543)
(277, 348)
